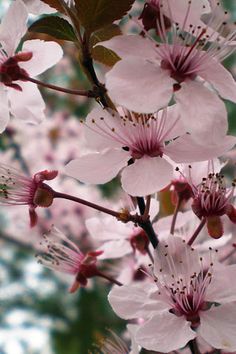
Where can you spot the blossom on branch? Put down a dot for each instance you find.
(17, 189)
(143, 146)
(185, 65)
(192, 297)
(18, 96)
(63, 255)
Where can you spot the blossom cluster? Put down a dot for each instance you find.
(159, 127)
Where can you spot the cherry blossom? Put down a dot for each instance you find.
(17, 189)
(192, 297)
(61, 254)
(116, 243)
(155, 11)
(141, 145)
(20, 97)
(212, 200)
(125, 239)
(184, 66)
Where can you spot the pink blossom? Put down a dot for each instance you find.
(117, 243)
(63, 255)
(155, 11)
(124, 239)
(17, 189)
(182, 304)
(142, 146)
(151, 73)
(22, 98)
(212, 199)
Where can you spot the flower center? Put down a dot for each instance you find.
(212, 197)
(10, 70)
(183, 61)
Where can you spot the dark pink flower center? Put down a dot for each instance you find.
(10, 70)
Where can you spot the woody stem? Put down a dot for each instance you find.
(146, 225)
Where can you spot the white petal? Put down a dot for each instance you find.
(146, 176)
(27, 105)
(164, 333)
(131, 45)
(98, 168)
(222, 288)
(202, 112)
(185, 149)
(139, 85)
(218, 327)
(45, 55)
(132, 301)
(221, 79)
(13, 26)
(4, 109)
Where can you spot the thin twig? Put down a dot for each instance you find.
(197, 231)
(85, 93)
(174, 218)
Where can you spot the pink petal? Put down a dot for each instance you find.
(139, 85)
(222, 288)
(220, 78)
(218, 327)
(4, 109)
(13, 26)
(132, 301)
(132, 45)
(202, 112)
(171, 251)
(27, 104)
(179, 11)
(94, 129)
(115, 249)
(102, 229)
(45, 55)
(173, 125)
(132, 328)
(146, 176)
(164, 333)
(37, 7)
(98, 168)
(185, 149)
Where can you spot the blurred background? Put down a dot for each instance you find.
(37, 314)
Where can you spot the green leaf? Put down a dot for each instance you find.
(100, 53)
(104, 56)
(55, 26)
(56, 4)
(104, 34)
(96, 14)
